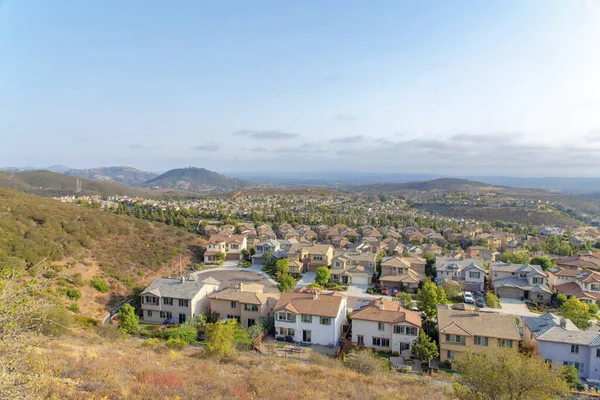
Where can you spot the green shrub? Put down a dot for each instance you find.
(593, 308)
(74, 307)
(73, 294)
(175, 344)
(99, 285)
(185, 333)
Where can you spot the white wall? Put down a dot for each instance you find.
(320, 334)
(369, 330)
(560, 352)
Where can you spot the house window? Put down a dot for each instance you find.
(149, 313)
(455, 339)
(184, 303)
(575, 348)
(595, 287)
(399, 329)
(336, 277)
(474, 275)
(597, 353)
(163, 314)
(151, 300)
(182, 318)
(360, 339)
(167, 301)
(450, 355)
(381, 342)
(505, 343)
(235, 246)
(580, 366)
(325, 321)
(251, 322)
(234, 304)
(523, 276)
(481, 341)
(404, 346)
(286, 317)
(306, 318)
(287, 332)
(380, 326)
(251, 307)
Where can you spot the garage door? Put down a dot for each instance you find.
(359, 280)
(509, 293)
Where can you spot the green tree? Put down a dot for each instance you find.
(593, 308)
(268, 258)
(497, 373)
(322, 275)
(491, 300)
(441, 296)
(519, 257)
(219, 256)
(427, 298)
(199, 322)
(128, 321)
(561, 299)
(424, 348)
(544, 262)
(282, 266)
(404, 298)
(222, 337)
(571, 375)
(577, 311)
(286, 283)
(430, 264)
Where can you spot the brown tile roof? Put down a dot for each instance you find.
(300, 302)
(226, 239)
(573, 289)
(476, 323)
(565, 272)
(249, 295)
(387, 311)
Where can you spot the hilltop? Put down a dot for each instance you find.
(125, 175)
(442, 184)
(196, 180)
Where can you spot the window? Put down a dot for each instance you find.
(399, 329)
(597, 353)
(325, 321)
(182, 318)
(505, 343)
(251, 307)
(286, 317)
(580, 366)
(595, 286)
(523, 276)
(475, 274)
(235, 246)
(234, 304)
(163, 314)
(404, 346)
(575, 348)
(184, 303)
(381, 342)
(167, 301)
(481, 341)
(251, 322)
(168, 314)
(306, 318)
(336, 277)
(149, 313)
(287, 331)
(455, 339)
(380, 326)
(151, 300)
(412, 331)
(450, 355)
(360, 339)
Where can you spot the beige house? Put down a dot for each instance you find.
(245, 302)
(352, 267)
(464, 327)
(520, 281)
(311, 256)
(583, 284)
(230, 246)
(402, 272)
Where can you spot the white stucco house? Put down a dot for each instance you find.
(470, 272)
(310, 316)
(180, 298)
(384, 325)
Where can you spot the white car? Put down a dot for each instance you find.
(468, 298)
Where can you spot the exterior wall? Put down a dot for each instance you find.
(320, 334)
(369, 330)
(200, 303)
(560, 352)
(223, 308)
(510, 293)
(459, 349)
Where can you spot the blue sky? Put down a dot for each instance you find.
(453, 87)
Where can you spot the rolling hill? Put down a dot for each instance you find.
(197, 180)
(125, 175)
(442, 184)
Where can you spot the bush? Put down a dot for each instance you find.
(73, 294)
(322, 275)
(185, 333)
(110, 332)
(175, 343)
(74, 307)
(99, 285)
(560, 299)
(153, 343)
(593, 308)
(365, 362)
(58, 322)
(128, 321)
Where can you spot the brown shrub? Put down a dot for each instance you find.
(167, 379)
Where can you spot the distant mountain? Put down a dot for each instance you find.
(197, 180)
(57, 168)
(126, 175)
(442, 184)
(52, 168)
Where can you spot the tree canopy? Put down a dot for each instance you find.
(424, 348)
(577, 311)
(322, 275)
(429, 296)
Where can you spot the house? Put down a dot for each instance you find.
(402, 272)
(311, 256)
(310, 316)
(583, 284)
(384, 325)
(181, 298)
(584, 260)
(268, 245)
(265, 232)
(230, 246)
(210, 230)
(520, 281)
(561, 343)
(245, 302)
(464, 327)
(352, 268)
(470, 273)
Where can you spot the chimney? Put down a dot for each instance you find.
(316, 295)
(182, 279)
(381, 305)
(563, 322)
(240, 286)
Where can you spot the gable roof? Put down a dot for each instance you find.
(540, 325)
(387, 311)
(298, 302)
(472, 322)
(173, 287)
(249, 294)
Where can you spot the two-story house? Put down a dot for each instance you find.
(384, 325)
(267, 245)
(310, 316)
(404, 273)
(520, 281)
(464, 327)
(352, 267)
(245, 302)
(311, 256)
(181, 298)
(583, 284)
(469, 272)
(230, 246)
(560, 343)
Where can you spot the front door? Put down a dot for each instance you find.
(181, 319)
(526, 294)
(344, 279)
(306, 336)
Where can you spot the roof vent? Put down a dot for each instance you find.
(563, 322)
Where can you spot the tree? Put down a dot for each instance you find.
(222, 337)
(430, 264)
(424, 348)
(441, 296)
(404, 298)
(593, 308)
(323, 275)
(219, 256)
(427, 298)
(199, 322)
(268, 258)
(577, 311)
(286, 283)
(128, 321)
(491, 300)
(571, 375)
(496, 373)
(282, 266)
(560, 299)
(519, 257)
(544, 262)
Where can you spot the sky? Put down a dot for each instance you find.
(503, 87)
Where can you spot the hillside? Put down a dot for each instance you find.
(197, 180)
(442, 184)
(81, 244)
(125, 175)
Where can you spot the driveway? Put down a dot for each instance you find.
(307, 279)
(361, 291)
(516, 307)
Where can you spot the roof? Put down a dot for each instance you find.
(472, 322)
(452, 264)
(227, 239)
(543, 323)
(573, 289)
(173, 287)
(530, 269)
(386, 311)
(249, 294)
(523, 284)
(561, 335)
(410, 277)
(564, 272)
(325, 305)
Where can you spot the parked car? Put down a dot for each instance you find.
(480, 302)
(395, 291)
(385, 290)
(468, 298)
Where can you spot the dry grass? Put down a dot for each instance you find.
(87, 367)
